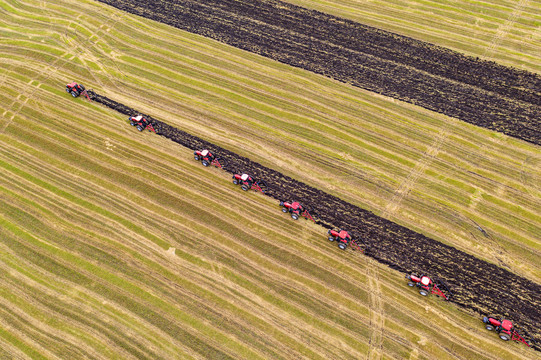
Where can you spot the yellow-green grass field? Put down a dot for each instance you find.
(116, 244)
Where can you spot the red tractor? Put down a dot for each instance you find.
(247, 182)
(76, 90)
(296, 210)
(141, 123)
(207, 158)
(428, 286)
(504, 328)
(342, 237)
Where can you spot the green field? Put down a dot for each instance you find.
(116, 244)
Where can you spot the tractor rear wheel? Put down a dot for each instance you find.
(489, 327)
(295, 216)
(504, 336)
(423, 292)
(205, 163)
(139, 127)
(74, 94)
(245, 187)
(331, 238)
(342, 246)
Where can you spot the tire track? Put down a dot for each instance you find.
(497, 290)
(502, 31)
(377, 312)
(407, 185)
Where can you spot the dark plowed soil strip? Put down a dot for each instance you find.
(476, 284)
(479, 92)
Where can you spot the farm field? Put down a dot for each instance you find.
(89, 223)
(397, 160)
(478, 92)
(505, 31)
(384, 241)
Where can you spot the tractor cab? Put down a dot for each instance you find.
(506, 325)
(425, 281)
(204, 153)
(245, 177)
(296, 206)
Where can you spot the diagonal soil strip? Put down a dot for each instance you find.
(476, 284)
(479, 92)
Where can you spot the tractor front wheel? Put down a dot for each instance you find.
(411, 284)
(235, 181)
(504, 336)
(284, 210)
(331, 238)
(196, 157)
(489, 327)
(68, 89)
(423, 292)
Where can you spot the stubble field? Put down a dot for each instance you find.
(91, 209)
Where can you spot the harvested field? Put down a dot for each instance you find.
(479, 92)
(106, 249)
(476, 284)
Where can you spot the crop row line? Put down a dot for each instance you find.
(476, 284)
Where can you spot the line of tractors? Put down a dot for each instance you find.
(294, 208)
(426, 285)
